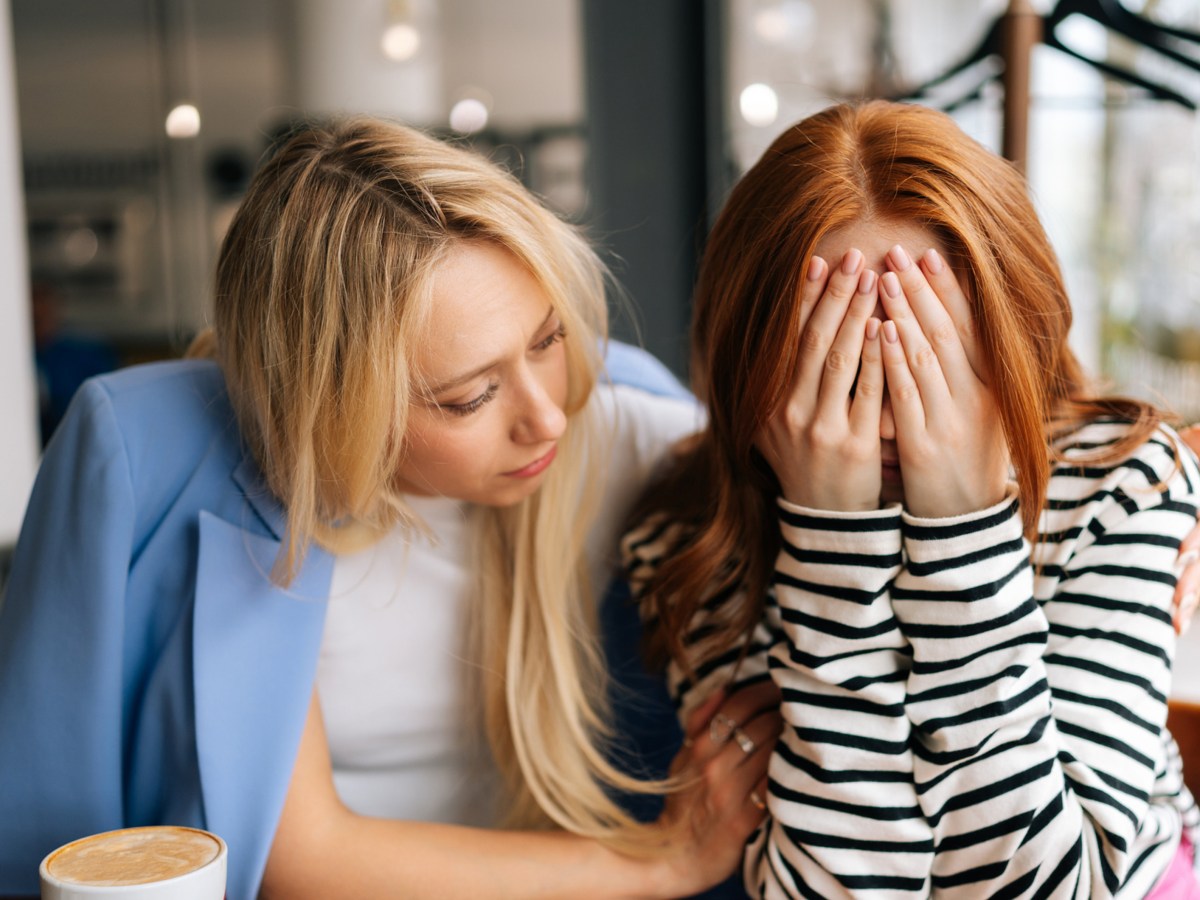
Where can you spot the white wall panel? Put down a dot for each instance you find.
(18, 389)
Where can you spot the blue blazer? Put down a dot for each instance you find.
(150, 671)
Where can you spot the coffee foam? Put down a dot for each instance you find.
(133, 856)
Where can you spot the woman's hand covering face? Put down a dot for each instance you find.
(909, 387)
(823, 443)
(952, 451)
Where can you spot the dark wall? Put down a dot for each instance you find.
(654, 90)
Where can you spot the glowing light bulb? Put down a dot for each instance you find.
(400, 42)
(468, 116)
(183, 121)
(759, 104)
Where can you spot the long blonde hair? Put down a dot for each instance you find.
(323, 287)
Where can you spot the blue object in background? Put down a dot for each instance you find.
(63, 365)
(65, 360)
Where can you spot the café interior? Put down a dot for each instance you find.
(131, 129)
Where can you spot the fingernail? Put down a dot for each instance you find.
(851, 261)
(872, 328)
(866, 282)
(1186, 559)
(889, 332)
(816, 268)
(899, 258)
(933, 262)
(891, 284)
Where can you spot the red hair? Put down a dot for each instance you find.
(876, 161)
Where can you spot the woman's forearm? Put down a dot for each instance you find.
(1039, 720)
(323, 850)
(353, 856)
(845, 818)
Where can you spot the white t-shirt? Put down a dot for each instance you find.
(392, 671)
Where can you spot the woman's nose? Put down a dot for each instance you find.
(540, 417)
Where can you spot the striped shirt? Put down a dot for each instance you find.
(963, 714)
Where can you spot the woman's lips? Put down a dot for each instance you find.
(891, 470)
(534, 468)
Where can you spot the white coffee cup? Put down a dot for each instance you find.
(155, 862)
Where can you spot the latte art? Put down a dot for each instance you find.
(133, 856)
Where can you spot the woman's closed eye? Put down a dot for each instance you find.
(553, 338)
(466, 407)
(474, 405)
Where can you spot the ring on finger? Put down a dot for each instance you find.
(757, 800)
(721, 728)
(744, 741)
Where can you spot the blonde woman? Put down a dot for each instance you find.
(279, 593)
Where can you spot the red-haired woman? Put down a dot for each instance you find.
(914, 513)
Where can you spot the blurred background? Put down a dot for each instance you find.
(131, 127)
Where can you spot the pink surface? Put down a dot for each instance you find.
(1179, 881)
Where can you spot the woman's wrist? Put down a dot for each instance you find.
(651, 877)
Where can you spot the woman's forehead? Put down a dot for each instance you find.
(874, 238)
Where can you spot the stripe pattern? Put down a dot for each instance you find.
(967, 715)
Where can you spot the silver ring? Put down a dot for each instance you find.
(744, 741)
(758, 801)
(721, 728)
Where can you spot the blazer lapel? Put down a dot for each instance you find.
(255, 648)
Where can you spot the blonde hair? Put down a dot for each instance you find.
(323, 287)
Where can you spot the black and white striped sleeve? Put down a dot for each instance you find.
(844, 818)
(992, 719)
(984, 742)
(967, 715)
(1038, 711)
